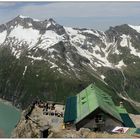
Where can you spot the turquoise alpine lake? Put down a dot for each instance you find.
(9, 117)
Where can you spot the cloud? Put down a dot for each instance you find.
(82, 9)
(78, 14)
(7, 4)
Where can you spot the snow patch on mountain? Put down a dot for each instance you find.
(97, 48)
(16, 52)
(103, 77)
(48, 24)
(137, 28)
(25, 69)
(3, 36)
(37, 20)
(51, 50)
(60, 70)
(93, 56)
(30, 24)
(36, 58)
(91, 32)
(29, 35)
(124, 41)
(71, 31)
(23, 17)
(134, 51)
(69, 62)
(117, 52)
(49, 38)
(76, 38)
(120, 64)
(53, 65)
(84, 53)
(97, 64)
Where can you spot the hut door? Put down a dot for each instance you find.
(99, 120)
(44, 134)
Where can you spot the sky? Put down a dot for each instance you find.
(96, 15)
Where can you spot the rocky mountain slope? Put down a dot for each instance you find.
(42, 59)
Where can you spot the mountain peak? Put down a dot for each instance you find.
(21, 16)
(52, 21)
(26, 17)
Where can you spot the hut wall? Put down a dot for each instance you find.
(90, 122)
(111, 123)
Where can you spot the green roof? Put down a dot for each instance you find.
(70, 109)
(137, 131)
(121, 110)
(92, 98)
(133, 131)
(125, 117)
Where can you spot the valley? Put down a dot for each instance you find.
(45, 60)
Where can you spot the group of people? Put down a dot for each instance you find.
(50, 109)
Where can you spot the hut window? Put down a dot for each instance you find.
(83, 102)
(99, 118)
(82, 98)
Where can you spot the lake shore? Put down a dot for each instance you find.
(8, 103)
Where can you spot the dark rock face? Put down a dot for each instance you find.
(49, 61)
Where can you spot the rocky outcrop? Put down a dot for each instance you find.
(37, 121)
(34, 121)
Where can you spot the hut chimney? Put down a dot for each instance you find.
(121, 104)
